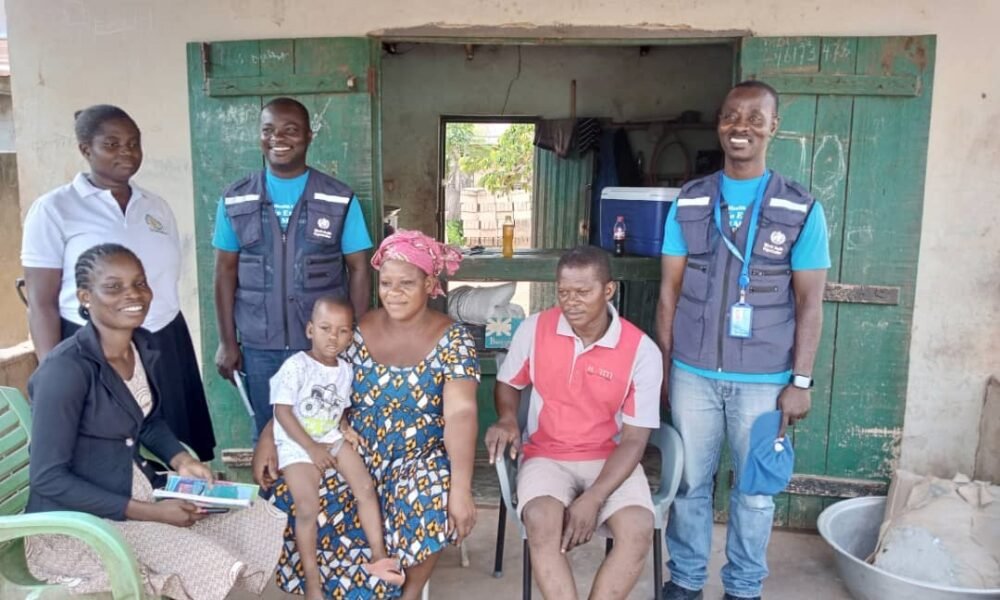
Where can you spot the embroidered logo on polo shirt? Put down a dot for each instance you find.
(154, 225)
(602, 373)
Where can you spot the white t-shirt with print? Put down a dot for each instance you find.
(318, 393)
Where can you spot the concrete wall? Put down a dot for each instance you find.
(68, 53)
(6, 123)
(424, 82)
(13, 322)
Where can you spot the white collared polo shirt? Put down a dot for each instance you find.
(64, 223)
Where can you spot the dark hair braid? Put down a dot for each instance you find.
(89, 120)
(87, 263)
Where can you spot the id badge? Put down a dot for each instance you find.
(740, 320)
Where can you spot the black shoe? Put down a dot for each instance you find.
(672, 591)
(731, 597)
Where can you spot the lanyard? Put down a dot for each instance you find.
(758, 200)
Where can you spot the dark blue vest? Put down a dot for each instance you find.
(281, 274)
(711, 280)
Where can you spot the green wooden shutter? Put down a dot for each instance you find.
(228, 82)
(854, 120)
(561, 200)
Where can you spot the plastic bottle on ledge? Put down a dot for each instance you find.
(508, 237)
(619, 236)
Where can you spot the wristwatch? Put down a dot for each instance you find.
(803, 382)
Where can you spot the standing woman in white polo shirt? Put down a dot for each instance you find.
(105, 206)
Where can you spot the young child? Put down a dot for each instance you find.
(310, 393)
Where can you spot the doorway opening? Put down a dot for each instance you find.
(488, 167)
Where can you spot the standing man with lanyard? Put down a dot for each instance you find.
(284, 237)
(745, 255)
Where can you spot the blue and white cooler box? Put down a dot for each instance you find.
(645, 211)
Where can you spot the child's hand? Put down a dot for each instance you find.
(320, 456)
(351, 437)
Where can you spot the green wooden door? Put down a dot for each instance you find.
(854, 120)
(336, 79)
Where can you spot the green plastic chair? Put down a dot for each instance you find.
(15, 579)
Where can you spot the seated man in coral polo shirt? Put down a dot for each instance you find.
(595, 397)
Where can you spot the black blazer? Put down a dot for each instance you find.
(87, 429)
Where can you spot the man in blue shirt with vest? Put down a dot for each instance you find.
(745, 256)
(284, 237)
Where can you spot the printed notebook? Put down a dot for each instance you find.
(227, 494)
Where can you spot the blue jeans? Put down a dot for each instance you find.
(259, 366)
(704, 411)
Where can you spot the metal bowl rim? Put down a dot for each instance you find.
(833, 510)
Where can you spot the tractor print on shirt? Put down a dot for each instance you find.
(320, 412)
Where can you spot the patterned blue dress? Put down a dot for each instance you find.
(399, 414)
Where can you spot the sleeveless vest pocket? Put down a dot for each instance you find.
(252, 272)
(696, 225)
(324, 223)
(246, 221)
(322, 271)
(696, 281)
(250, 313)
(777, 233)
(769, 349)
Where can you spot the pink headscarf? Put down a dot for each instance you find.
(424, 252)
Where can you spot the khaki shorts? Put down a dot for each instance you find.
(564, 480)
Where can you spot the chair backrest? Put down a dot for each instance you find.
(15, 432)
(671, 448)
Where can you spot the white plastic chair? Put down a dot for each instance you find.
(665, 439)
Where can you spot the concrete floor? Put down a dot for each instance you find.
(801, 567)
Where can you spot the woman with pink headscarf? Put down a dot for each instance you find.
(414, 406)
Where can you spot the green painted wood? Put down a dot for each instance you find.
(829, 185)
(639, 299)
(225, 146)
(727, 38)
(881, 243)
(276, 57)
(561, 205)
(844, 85)
(863, 155)
(283, 85)
(540, 265)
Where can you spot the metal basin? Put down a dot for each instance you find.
(851, 529)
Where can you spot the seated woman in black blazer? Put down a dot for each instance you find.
(93, 407)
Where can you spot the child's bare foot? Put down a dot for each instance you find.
(386, 569)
